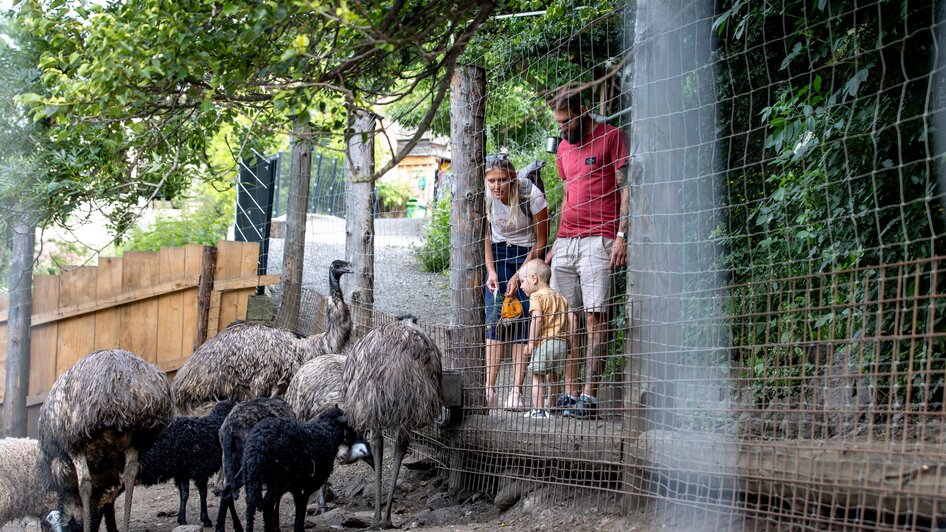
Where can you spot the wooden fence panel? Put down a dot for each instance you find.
(145, 302)
(76, 334)
(171, 267)
(43, 338)
(229, 262)
(139, 319)
(109, 287)
(193, 255)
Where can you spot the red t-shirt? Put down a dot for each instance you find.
(593, 201)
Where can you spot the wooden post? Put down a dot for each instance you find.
(359, 218)
(296, 214)
(468, 145)
(208, 264)
(18, 331)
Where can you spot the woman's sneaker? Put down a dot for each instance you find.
(537, 414)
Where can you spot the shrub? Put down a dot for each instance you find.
(393, 196)
(434, 252)
(202, 221)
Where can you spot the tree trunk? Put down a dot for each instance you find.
(359, 218)
(296, 214)
(467, 276)
(18, 327)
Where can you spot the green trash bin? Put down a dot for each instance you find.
(415, 208)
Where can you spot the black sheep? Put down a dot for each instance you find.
(233, 434)
(295, 457)
(189, 449)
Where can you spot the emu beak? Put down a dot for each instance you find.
(53, 521)
(347, 268)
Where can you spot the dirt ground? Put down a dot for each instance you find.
(421, 503)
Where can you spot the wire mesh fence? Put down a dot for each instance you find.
(772, 355)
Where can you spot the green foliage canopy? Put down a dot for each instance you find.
(134, 91)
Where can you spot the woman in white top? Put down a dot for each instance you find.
(517, 215)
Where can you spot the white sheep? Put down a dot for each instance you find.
(21, 493)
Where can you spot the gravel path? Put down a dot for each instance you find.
(400, 286)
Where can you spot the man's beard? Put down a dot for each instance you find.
(575, 136)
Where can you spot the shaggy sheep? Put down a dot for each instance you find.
(21, 493)
(249, 360)
(99, 415)
(233, 434)
(315, 389)
(292, 456)
(189, 449)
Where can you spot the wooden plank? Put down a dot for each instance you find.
(170, 326)
(139, 319)
(108, 288)
(229, 265)
(806, 474)
(43, 338)
(5, 301)
(249, 268)
(245, 282)
(77, 334)
(129, 297)
(193, 255)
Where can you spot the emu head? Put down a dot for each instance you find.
(335, 272)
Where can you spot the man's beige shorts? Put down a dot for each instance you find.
(581, 271)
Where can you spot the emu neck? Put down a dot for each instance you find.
(334, 287)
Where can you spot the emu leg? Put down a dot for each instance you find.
(81, 464)
(301, 499)
(403, 440)
(128, 479)
(377, 447)
(183, 490)
(202, 491)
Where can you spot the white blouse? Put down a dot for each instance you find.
(502, 229)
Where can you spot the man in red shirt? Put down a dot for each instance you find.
(592, 160)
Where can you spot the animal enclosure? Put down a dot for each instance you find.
(775, 355)
(159, 305)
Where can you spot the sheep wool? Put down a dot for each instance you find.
(291, 456)
(21, 492)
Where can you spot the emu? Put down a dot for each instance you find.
(249, 360)
(392, 381)
(99, 416)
